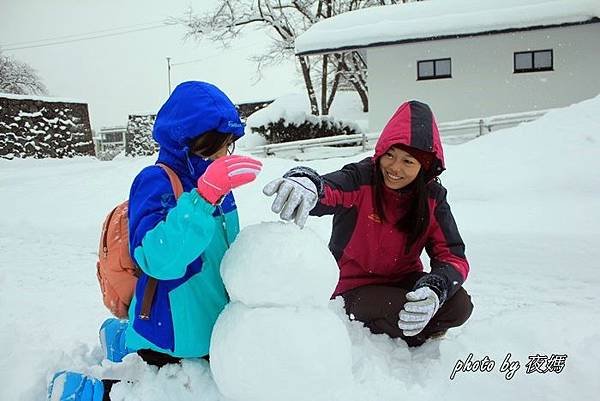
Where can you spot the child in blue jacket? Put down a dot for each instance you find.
(179, 242)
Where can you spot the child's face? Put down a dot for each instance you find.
(399, 168)
(219, 153)
(226, 149)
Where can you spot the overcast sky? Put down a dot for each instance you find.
(119, 75)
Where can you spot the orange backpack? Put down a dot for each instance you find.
(117, 272)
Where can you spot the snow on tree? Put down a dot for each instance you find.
(287, 19)
(19, 78)
(138, 138)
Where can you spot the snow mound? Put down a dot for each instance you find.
(552, 154)
(282, 353)
(278, 264)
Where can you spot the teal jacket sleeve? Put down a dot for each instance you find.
(165, 241)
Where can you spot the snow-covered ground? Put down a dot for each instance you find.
(527, 204)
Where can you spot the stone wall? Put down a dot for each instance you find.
(43, 127)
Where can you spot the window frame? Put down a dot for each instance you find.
(533, 67)
(435, 75)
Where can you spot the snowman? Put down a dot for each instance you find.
(277, 339)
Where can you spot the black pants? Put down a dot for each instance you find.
(151, 358)
(379, 306)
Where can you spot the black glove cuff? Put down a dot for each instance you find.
(437, 285)
(302, 171)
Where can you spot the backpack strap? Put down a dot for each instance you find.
(174, 178)
(152, 283)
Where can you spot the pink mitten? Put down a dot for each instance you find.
(226, 173)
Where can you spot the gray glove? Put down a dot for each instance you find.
(296, 197)
(420, 307)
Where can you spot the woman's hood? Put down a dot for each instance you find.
(413, 124)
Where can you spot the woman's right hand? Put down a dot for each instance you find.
(226, 173)
(296, 197)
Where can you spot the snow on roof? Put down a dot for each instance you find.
(437, 19)
(41, 98)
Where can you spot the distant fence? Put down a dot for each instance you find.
(451, 132)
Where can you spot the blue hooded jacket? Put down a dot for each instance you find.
(181, 241)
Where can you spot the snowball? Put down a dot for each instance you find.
(280, 353)
(279, 264)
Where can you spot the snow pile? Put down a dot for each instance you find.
(543, 171)
(278, 320)
(550, 154)
(293, 109)
(250, 139)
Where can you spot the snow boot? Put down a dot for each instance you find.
(112, 339)
(72, 386)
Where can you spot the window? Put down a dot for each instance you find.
(539, 60)
(434, 69)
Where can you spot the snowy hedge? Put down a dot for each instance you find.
(285, 131)
(43, 127)
(138, 138)
(288, 119)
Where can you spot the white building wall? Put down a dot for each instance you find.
(483, 83)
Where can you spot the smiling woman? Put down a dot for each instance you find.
(387, 209)
(400, 165)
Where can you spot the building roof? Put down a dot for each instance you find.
(440, 19)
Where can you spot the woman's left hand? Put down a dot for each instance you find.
(420, 307)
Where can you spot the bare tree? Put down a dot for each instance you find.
(287, 19)
(19, 78)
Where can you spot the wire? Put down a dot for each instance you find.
(192, 61)
(28, 42)
(85, 38)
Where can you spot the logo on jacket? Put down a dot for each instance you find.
(375, 218)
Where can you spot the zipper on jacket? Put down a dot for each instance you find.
(224, 225)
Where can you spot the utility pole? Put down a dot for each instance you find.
(169, 73)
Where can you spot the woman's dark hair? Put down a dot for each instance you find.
(416, 219)
(210, 142)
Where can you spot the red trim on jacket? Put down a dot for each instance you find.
(371, 251)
